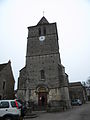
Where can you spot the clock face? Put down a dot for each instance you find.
(42, 38)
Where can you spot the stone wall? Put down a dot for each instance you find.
(21, 94)
(54, 94)
(48, 63)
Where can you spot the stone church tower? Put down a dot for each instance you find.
(47, 80)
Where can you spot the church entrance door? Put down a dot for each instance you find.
(42, 100)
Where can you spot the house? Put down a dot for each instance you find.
(6, 81)
(88, 92)
(77, 91)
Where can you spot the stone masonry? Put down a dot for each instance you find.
(48, 82)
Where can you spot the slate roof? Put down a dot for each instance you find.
(2, 66)
(75, 84)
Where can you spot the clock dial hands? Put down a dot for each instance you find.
(42, 38)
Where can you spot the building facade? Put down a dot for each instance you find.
(6, 81)
(77, 91)
(88, 92)
(43, 74)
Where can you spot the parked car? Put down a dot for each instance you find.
(10, 110)
(76, 102)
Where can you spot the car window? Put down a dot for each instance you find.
(13, 104)
(4, 104)
(19, 104)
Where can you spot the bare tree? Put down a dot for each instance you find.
(84, 83)
(88, 81)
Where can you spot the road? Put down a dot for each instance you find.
(76, 113)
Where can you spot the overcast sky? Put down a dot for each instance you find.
(73, 24)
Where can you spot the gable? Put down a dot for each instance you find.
(43, 21)
(6, 71)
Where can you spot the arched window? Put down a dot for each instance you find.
(39, 31)
(3, 85)
(44, 31)
(42, 74)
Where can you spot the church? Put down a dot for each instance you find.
(43, 75)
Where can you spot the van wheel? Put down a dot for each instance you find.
(7, 118)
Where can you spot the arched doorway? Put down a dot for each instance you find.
(42, 97)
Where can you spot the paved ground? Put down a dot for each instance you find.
(76, 113)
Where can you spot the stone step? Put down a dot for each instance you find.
(32, 115)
